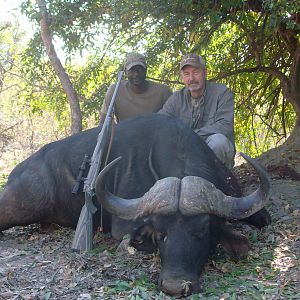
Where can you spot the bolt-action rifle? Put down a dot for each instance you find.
(83, 238)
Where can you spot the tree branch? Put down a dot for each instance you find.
(269, 70)
(76, 124)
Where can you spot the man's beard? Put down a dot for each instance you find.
(195, 86)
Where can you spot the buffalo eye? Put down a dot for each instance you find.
(138, 241)
(161, 236)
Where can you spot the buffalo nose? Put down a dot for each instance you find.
(176, 287)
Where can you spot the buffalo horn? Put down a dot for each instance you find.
(200, 196)
(162, 198)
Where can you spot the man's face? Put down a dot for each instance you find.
(136, 75)
(193, 78)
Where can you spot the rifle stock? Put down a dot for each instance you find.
(83, 238)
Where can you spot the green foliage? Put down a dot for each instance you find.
(3, 179)
(11, 37)
(240, 41)
(137, 289)
(42, 91)
(45, 92)
(281, 9)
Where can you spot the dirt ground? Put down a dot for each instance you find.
(41, 265)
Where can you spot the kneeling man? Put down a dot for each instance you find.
(207, 107)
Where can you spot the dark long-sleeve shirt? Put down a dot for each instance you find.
(216, 111)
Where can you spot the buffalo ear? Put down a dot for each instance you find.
(234, 243)
(259, 219)
(141, 238)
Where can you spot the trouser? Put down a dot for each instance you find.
(223, 148)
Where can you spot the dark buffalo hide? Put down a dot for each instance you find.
(153, 148)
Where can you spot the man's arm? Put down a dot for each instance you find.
(223, 121)
(167, 93)
(169, 108)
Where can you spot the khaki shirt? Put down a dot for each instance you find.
(129, 104)
(216, 112)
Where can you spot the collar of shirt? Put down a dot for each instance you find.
(197, 101)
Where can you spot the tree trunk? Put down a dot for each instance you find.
(76, 119)
(295, 83)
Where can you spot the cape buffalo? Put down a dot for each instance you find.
(169, 191)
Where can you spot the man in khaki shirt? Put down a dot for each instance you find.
(136, 96)
(207, 107)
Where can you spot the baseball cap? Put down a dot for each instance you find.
(192, 60)
(135, 59)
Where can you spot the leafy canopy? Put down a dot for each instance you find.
(240, 40)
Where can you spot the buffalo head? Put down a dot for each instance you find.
(176, 215)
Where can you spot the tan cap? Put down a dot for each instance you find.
(192, 60)
(135, 59)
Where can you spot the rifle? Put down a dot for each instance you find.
(83, 238)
